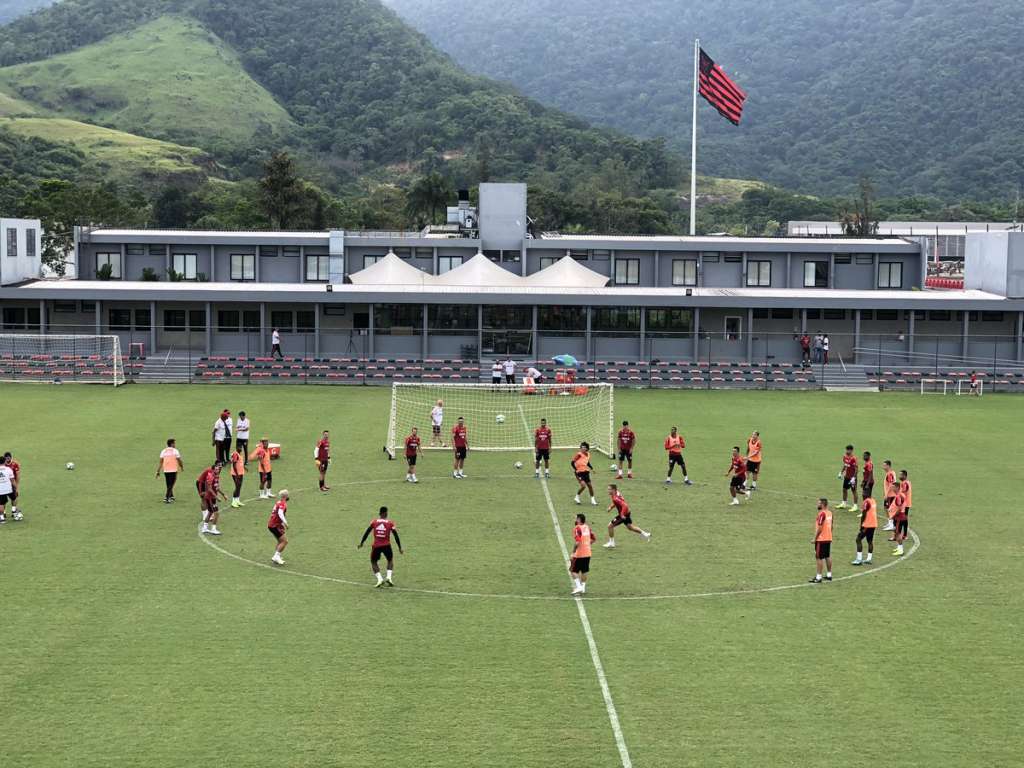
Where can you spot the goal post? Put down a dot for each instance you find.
(934, 386)
(502, 417)
(963, 387)
(60, 358)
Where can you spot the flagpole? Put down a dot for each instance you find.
(693, 144)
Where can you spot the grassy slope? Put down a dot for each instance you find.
(168, 79)
(12, 106)
(116, 154)
(130, 637)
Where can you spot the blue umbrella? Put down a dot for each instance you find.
(566, 360)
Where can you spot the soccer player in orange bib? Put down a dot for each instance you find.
(753, 459)
(579, 564)
(237, 476)
(868, 524)
(170, 464)
(674, 444)
(889, 491)
(262, 458)
(822, 543)
(581, 467)
(902, 503)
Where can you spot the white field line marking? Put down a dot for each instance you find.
(500, 596)
(595, 657)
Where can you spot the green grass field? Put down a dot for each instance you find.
(131, 642)
(168, 79)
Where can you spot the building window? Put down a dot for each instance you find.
(939, 315)
(627, 271)
(493, 255)
(760, 314)
(843, 258)
(710, 257)
(250, 321)
(290, 250)
(334, 310)
(197, 319)
(227, 320)
(398, 319)
(669, 321)
(403, 253)
(886, 314)
(269, 250)
(185, 265)
(734, 259)
(515, 318)
(369, 261)
(120, 319)
(114, 260)
(616, 320)
(157, 250)
(135, 250)
(866, 314)
(782, 314)
(65, 307)
(243, 266)
(174, 320)
(813, 314)
(579, 255)
(684, 272)
(305, 320)
(864, 259)
(561, 318)
(759, 274)
(20, 318)
(425, 253)
(510, 256)
(547, 261)
(448, 263)
(991, 317)
(318, 269)
(452, 319)
(88, 307)
(890, 274)
(12, 242)
(143, 319)
(282, 320)
(30, 243)
(815, 274)
(835, 314)
(600, 255)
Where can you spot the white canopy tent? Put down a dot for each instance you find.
(566, 273)
(391, 270)
(480, 271)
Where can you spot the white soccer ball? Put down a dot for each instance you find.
(500, 418)
(519, 465)
(613, 468)
(70, 465)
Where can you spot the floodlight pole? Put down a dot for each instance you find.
(693, 143)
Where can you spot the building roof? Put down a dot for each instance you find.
(308, 293)
(479, 271)
(904, 228)
(391, 270)
(566, 271)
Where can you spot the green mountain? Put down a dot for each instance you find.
(922, 96)
(345, 84)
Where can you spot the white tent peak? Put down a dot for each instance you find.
(479, 271)
(391, 270)
(566, 273)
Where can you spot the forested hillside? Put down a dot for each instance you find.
(922, 96)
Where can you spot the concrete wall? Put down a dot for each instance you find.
(551, 344)
(722, 274)
(19, 266)
(994, 262)
(279, 269)
(502, 216)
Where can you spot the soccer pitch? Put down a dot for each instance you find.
(130, 640)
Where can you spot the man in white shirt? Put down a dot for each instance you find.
(436, 419)
(510, 371)
(242, 436)
(275, 345)
(496, 373)
(8, 492)
(537, 376)
(222, 436)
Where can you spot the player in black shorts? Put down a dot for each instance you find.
(582, 468)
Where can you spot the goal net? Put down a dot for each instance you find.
(503, 417)
(61, 358)
(963, 387)
(934, 386)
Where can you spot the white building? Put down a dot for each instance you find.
(20, 250)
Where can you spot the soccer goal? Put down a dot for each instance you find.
(61, 358)
(934, 386)
(963, 387)
(503, 417)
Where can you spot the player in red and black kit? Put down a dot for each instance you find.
(412, 450)
(738, 470)
(867, 480)
(627, 440)
(848, 474)
(460, 446)
(382, 529)
(623, 516)
(277, 524)
(542, 448)
(322, 455)
(208, 486)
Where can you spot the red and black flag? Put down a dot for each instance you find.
(719, 89)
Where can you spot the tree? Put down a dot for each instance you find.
(176, 208)
(862, 221)
(429, 194)
(281, 190)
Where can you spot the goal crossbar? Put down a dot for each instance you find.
(934, 386)
(502, 417)
(963, 387)
(61, 358)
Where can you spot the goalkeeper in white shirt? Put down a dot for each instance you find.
(436, 420)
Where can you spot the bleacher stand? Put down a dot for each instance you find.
(64, 367)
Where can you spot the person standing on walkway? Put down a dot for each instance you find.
(275, 344)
